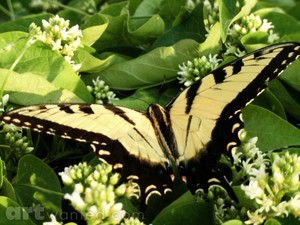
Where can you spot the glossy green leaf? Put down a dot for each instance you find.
(159, 65)
(156, 67)
(8, 190)
(12, 213)
(272, 222)
(233, 222)
(152, 28)
(272, 131)
(285, 25)
(40, 60)
(142, 98)
(23, 23)
(294, 11)
(186, 210)
(114, 31)
(190, 28)
(29, 88)
(145, 8)
(91, 34)
(269, 101)
(290, 76)
(92, 64)
(38, 187)
(255, 40)
(288, 98)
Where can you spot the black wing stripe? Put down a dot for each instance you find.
(119, 112)
(285, 56)
(190, 96)
(51, 127)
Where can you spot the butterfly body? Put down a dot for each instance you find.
(190, 133)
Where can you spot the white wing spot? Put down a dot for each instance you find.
(103, 152)
(39, 126)
(118, 166)
(15, 120)
(27, 123)
(133, 177)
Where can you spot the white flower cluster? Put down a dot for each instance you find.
(210, 13)
(192, 71)
(240, 28)
(59, 36)
(19, 144)
(95, 192)
(101, 92)
(248, 24)
(132, 221)
(273, 183)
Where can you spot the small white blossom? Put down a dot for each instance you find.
(293, 205)
(255, 218)
(101, 91)
(76, 198)
(280, 209)
(253, 190)
(194, 70)
(4, 102)
(59, 36)
(265, 204)
(53, 221)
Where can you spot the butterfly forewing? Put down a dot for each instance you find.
(205, 117)
(120, 136)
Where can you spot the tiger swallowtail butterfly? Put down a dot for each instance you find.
(191, 132)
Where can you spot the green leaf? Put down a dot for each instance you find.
(272, 131)
(174, 12)
(190, 28)
(142, 98)
(186, 210)
(40, 60)
(295, 11)
(272, 222)
(153, 68)
(113, 37)
(255, 40)
(150, 29)
(287, 28)
(288, 98)
(92, 34)
(290, 76)
(38, 187)
(12, 213)
(269, 101)
(23, 23)
(115, 9)
(8, 190)
(92, 64)
(28, 89)
(159, 65)
(233, 222)
(145, 8)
